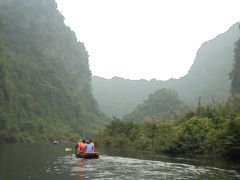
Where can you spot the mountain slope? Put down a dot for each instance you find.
(208, 77)
(44, 76)
(163, 104)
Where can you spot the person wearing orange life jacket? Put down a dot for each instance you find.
(82, 146)
(78, 145)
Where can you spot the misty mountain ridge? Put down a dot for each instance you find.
(208, 77)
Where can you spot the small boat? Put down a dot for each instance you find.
(56, 142)
(87, 155)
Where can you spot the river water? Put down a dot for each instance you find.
(51, 162)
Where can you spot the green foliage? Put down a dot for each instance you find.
(209, 130)
(163, 104)
(235, 77)
(45, 89)
(192, 134)
(235, 74)
(152, 135)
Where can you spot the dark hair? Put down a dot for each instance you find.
(83, 141)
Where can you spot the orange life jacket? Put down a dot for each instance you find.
(82, 147)
(79, 146)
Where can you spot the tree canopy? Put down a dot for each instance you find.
(45, 79)
(163, 104)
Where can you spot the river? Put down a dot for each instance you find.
(51, 162)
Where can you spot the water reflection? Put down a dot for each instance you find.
(84, 168)
(110, 167)
(38, 162)
(80, 169)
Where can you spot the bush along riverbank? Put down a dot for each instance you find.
(213, 130)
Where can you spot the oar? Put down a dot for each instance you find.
(68, 149)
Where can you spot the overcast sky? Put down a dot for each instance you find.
(146, 39)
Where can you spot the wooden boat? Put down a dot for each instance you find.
(87, 155)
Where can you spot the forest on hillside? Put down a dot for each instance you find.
(45, 88)
(164, 104)
(212, 129)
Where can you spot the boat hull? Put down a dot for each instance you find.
(88, 155)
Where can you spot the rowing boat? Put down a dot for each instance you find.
(87, 155)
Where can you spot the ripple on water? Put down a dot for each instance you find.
(109, 167)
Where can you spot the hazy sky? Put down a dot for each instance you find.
(146, 39)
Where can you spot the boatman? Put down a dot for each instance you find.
(92, 143)
(78, 144)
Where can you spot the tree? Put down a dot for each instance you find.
(235, 74)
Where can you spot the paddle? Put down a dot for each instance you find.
(68, 149)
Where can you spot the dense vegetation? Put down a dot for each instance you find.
(163, 104)
(208, 130)
(208, 77)
(45, 90)
(211, 129)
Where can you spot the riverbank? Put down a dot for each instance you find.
(214, 133)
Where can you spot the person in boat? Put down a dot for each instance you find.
(89, 147)
(80, 147)
(78, 144)
(91, 141)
